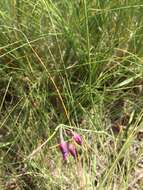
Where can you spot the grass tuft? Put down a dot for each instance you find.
(75, 65)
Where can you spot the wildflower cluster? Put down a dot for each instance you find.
(67, 148)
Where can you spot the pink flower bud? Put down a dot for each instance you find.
(64, 149)
(77, 138)
(72, 150)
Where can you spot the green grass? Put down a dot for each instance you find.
(76, 64)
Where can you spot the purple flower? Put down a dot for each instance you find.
(77, 138)
(64, 149)
(72, 150)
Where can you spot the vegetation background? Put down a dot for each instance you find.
(76, 64)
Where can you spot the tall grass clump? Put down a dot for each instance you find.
(71, 73)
